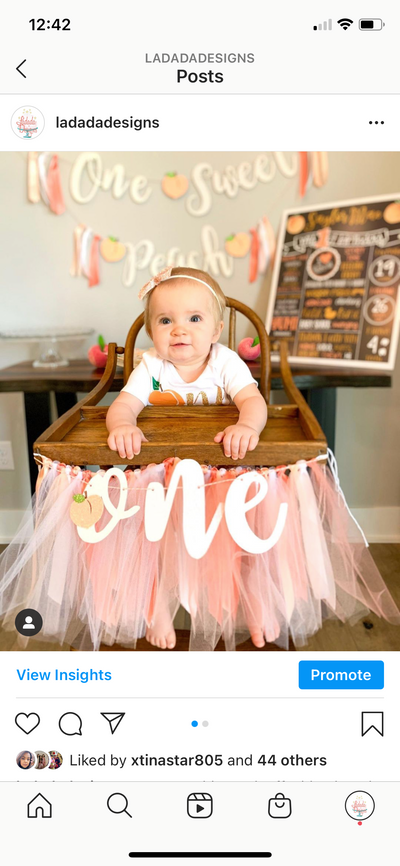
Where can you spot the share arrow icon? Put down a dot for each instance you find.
(113, 720)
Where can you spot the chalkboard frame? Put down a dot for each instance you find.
(384, 366)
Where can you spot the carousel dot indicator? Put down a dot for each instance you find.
(194, 724)
(205, 724)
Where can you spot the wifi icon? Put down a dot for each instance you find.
(345, 23)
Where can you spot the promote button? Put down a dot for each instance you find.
(341, 675)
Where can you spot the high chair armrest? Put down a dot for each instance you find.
(265, 355)
(69, 419)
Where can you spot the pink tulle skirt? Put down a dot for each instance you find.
(109, 592)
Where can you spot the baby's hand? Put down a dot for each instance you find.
(237, 439)
(127, 440)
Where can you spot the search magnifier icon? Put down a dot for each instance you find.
(118, 803)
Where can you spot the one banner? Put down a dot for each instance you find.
(268, 552)
(335, 287)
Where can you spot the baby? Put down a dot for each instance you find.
(184, 311)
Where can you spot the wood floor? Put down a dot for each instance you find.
(369, 634)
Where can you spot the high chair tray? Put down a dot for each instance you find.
(292, 433)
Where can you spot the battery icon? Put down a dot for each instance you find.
(371, 23)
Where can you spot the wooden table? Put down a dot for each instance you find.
(317, 384)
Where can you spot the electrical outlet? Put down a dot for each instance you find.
(6, 456)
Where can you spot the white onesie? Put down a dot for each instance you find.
(156, 382)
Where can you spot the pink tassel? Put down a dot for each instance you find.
(267, 248)
(303, 172)
(43, 164)
(271, 239)
(263, 250)
(75, 269)
(255, 244)
(54, 188)
(319, 162)
(33, 178)
(86, 246)
(94, 277)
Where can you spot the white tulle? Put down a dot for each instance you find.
(109, 592)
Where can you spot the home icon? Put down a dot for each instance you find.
(39, 807)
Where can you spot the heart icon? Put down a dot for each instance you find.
(27, 723)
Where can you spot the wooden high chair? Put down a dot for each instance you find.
(79, 437)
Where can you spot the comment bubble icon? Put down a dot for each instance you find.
(70, 724)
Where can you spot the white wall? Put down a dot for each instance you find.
(36, 288)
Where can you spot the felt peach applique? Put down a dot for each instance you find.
(295, 224)
(112, 250)
(85, 510)
(238, 245)
(392, 213)
(174, 185)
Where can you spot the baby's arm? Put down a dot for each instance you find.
(243, 436)
(125, 437)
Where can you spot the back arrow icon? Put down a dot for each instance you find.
(18, 68)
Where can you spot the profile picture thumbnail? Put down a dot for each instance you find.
(55, 760)
(26, 760)
(42, 760)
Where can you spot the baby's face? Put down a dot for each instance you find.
(182, 322)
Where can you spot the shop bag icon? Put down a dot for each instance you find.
(279, 806)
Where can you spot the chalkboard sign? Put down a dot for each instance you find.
(335, 288)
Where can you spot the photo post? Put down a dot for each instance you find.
(199, 427)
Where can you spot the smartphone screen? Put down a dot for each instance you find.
(199, 415)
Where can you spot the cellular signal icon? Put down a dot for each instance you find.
(326, 25)
(345, 23)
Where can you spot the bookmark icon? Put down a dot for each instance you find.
(371, 720)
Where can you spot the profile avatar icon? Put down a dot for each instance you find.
(26, 760)
(28, 622)
(56, 760)
(359, 805)
(42, 760)
(27, 122)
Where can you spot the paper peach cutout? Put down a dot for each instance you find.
(174, 185)
(391, 214)
(86, 511)
(112, 250)
(238, 245)
(295, 224)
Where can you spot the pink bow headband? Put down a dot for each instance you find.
(167, 275)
